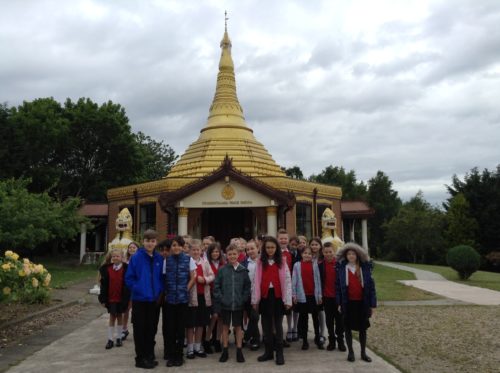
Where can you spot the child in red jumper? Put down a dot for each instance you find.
(114, 294)
(327, 269)
(272, 295)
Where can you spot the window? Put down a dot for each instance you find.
(304, 219)
(147, 217)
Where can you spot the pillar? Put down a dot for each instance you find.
(353, 222)
(364, 234)
(272, 220)
(83, 240)
(97, 240)
(182, 221)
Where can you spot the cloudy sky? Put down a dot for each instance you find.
(411, 88)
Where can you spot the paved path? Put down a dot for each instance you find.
(83, 351)
(437, 284)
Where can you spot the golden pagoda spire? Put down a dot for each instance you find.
(226, 111)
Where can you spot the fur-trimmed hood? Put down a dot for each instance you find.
(362, 254)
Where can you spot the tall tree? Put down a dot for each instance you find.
(482, 192)
(351, 188)
(158, 157)
(294, 172)
(415, 233)
(386, 203)
(461, 226)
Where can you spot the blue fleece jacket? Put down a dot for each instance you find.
(144, 276)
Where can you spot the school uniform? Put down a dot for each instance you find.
(252, 333)
(114, 294)
(200, 300)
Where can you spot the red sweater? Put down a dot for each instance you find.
(200, 288)
(270, 274)
(115, 285)
(306, 269)
(330, 277)
(354, 290)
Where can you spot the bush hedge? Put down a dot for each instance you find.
(463, 259)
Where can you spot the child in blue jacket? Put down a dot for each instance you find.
(144, 279)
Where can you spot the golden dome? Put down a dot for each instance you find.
(226, 132)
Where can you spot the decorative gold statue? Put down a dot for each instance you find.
(329, 228)
(123, 231)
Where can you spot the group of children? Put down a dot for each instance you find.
(202, 291)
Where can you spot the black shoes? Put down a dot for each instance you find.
(289, 336)
(286, 344)
(145, 364)
(217, 346)
(319, 342)
(125, 334)
(350, 356)
(207, 347)
(190, 355)
(119, 342)
(224, 356)
(200, 353)
(365, 357)
(295, 336)
(110, 344)
(305, 344)
(268, 355)
(239, 356)
(280, 359)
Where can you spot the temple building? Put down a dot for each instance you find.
(226, 183)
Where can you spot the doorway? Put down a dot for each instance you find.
(226, 223)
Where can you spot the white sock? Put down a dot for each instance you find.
(111, 329)
(119, 331)
(197, 347)
(190, 347)
(295, 321)
(322, 322)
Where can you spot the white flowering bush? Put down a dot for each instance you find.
(22, 280)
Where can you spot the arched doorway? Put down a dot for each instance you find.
(226, 223)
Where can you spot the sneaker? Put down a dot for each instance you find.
(125, 334)
(190, 355)
(110, 344)
(119, 342)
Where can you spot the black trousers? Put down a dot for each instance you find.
(310, 307)
(272, 310)
(175, 319)
(334, 321)
(145, 324)
(164, 327)
(252, 333)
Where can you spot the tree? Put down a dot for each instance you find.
(294, 172)
(29, 219)
(351, 188)
(386, 203)
(482, 191)
(461, 226)
(415, 232)
(158, 157)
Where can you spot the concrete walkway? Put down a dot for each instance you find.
(83, 351)
(437, 284)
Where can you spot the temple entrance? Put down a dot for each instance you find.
(226, 223)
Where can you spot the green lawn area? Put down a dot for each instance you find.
(66, 271)
(389, 289)
(482, 279)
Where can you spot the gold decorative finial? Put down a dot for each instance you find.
(225, 20)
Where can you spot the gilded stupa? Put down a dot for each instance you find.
(225, 167)
(226, 132)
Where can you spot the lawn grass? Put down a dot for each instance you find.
(482, 279)
(389, 289)
(67, 271)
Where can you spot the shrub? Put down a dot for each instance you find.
(463, 259)
(22, 280)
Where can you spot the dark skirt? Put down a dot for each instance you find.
(271, 304)
(115, 308)
(198, 316)
(356, 318)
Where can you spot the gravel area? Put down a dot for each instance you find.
(423, 339)
(12, 335)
